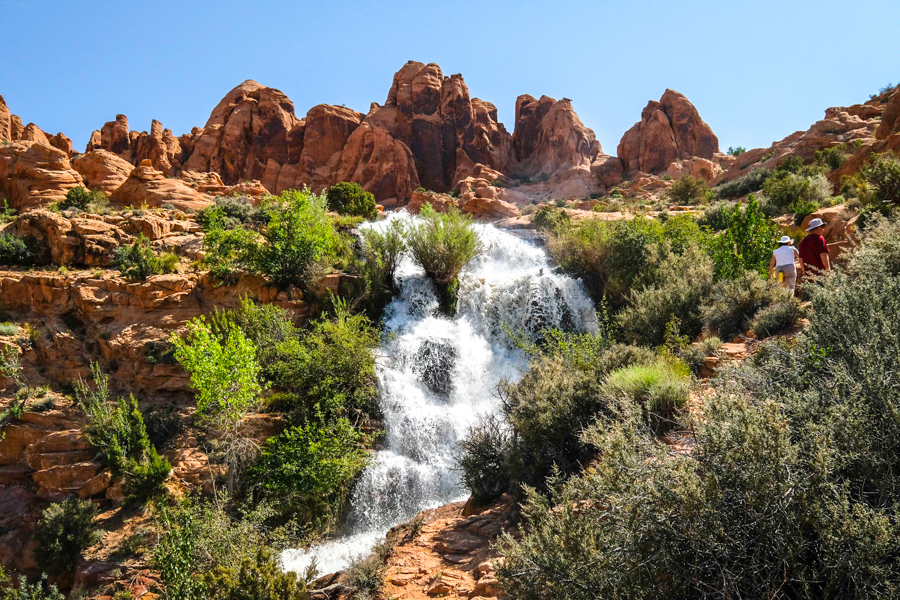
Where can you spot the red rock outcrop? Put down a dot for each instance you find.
(102, 170)
(669, 130)
(146, 185)
(160, 146)
(35, 174)
(5, 122)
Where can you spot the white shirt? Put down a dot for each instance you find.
(784, 255)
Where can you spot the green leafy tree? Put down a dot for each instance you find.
(883, 176)
(347, 198)
(223, 369)
(38, 590)
(260, 578)
(747, 244)
(689, 190)
(63, 532)
(310, 468)
(382, 250)
(15, 250)
(444, 243)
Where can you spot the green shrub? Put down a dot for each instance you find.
(381, 252)
(747, 244)
(734, 302)
(223, 370)
(229, 213)
(299, 239)
(331, 369)
(83, 199)
(715, 217)
(15, 251)
(745, 184)
(260, 578)
(163, 426)
(229, 250)
(7, 214)
(265, 325)
(139, 261)
(802, 210)
(776, 318)
(63, 532)
(786, 189)
(883, 176)
(308, 471)
(689, 190)
(736, 151)
(146, 480)
(484, 460)
(833, 158)
(39, 590)
(347, 198)
(442, 244)
(550, 218)
(659, 389)
(674, 286)
(9, 329)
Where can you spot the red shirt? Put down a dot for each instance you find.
(811, 247)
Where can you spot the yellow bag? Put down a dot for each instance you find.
(780, 276)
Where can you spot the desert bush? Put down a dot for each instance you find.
(550, 218)
(9, 329)
(223, 370)
(229, 212)
(746, 244)
(146, 480)
(38, 590)
(308, 470)
(83, 199)
(802, 210)
(331, 369)
(483, 460)
(347, 198)
(883, 176)
(715, 217)
(789, 488)
(776, 317)
(673, 286)
(745, 184)
(229, 250)
(260, 578)
(734, 302)
(139, 261)
(7, 214)
(832, 158)
(736, 151)
(658, 390)
(63, 532)
(15, 250)
(785, 189)
(443, 244)
(689, 190)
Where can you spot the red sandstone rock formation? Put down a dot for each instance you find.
(669, 130)
(102, 170)
(160, 146)
(146, 185)
(34, 174)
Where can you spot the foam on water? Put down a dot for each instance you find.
(438, 376)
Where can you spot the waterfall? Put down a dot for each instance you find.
(439, 375)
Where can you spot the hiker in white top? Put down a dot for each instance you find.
(782, 263)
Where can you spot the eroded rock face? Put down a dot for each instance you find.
(550, 138)
(146, 185)
(35, 174)
(669, 130)
(160, 146)
(102, 170)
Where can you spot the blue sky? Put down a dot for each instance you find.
(757, 71)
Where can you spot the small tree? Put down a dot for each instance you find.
(736, 151)
(689, 190)
(444, 243)
(382, 250)
(139, 261)
(63, 532)
(747, 244)
(224, 371)
(347, 198)
(883, 176)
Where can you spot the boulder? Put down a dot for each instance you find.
(147, 186)
(102, 170)
(700, 168)
(34, 174)
(890, 119)
(439, 202)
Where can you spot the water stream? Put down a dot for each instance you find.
(438, 375)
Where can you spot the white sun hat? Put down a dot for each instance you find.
(785, 239)
(815, 223)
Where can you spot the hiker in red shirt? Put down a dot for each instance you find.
(814, 250)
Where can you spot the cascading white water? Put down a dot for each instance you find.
(439, 375)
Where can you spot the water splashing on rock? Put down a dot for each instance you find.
(439, 375)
